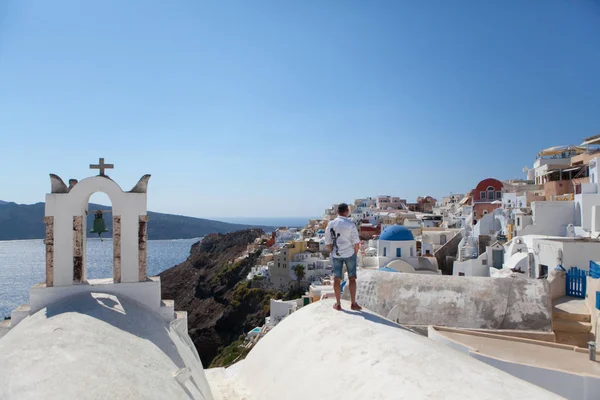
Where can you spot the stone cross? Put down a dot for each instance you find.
(101, 166)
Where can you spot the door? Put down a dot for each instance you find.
(497, 258)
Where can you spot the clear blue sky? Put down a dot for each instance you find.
(279, 108)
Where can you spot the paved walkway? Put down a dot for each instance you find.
(571, 305)
(529, 353)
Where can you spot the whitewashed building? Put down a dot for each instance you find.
(396, 249)
(81, 338)
(281, 309)
(315, 265)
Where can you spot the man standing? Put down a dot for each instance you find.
(342, 240)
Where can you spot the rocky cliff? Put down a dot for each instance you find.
(211, 286)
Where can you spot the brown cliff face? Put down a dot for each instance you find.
(220, 303)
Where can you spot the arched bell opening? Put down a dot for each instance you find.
(98, 241)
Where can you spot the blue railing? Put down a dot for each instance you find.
(576, 282)
(598, 300)
(594, 270)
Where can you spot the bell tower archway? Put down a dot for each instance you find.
(65, 218)
(66, 229)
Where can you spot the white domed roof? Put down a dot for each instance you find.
(400, 266)
(95, 346)
(396, 233)
(360, 355)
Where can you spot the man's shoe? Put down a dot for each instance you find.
(337, 307)
(355, 307)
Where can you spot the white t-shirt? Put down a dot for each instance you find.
(346, 237)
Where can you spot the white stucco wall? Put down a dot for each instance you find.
(595, 223)
(391, 246)
(281, 309)
(435, 237)
(517, 261)
(427, 247)
(583, 205)
(64, 206)
(579, 253)
(516, 245)
(522, 221)
(546, 252)
(509, 200)
(575, 253)
(489, 224)
(550, 218)
(472, 267)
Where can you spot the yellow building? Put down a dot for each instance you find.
(280, 271)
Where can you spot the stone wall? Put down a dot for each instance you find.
(49, 242)
(142, 248)
(449, 249)
(462, 302)
(78, 250)
(116, 248)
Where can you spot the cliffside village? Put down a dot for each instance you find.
(528, 226)
(491, 294)
(544, 227)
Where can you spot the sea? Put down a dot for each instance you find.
(23, 264)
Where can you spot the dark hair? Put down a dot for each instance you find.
(342, 208)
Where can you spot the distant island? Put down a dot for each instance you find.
(26, 221)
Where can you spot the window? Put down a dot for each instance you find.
(384, 252)
(474, 214)
(518, 221)
(278, 265)
(498, 194)
(461, 274)
(443, 239)
(485, 212)
(482, 195)
(411, 251)
(490, 192)
(398, 252)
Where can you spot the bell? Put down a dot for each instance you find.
(99, 226)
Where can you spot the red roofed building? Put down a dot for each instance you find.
(487, 196)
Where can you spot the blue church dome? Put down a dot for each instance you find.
(396, 233)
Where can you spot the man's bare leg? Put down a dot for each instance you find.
(337, 289)
(352, 285)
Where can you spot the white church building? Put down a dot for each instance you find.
(114, 338)
(396, 242)
(396, 249)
